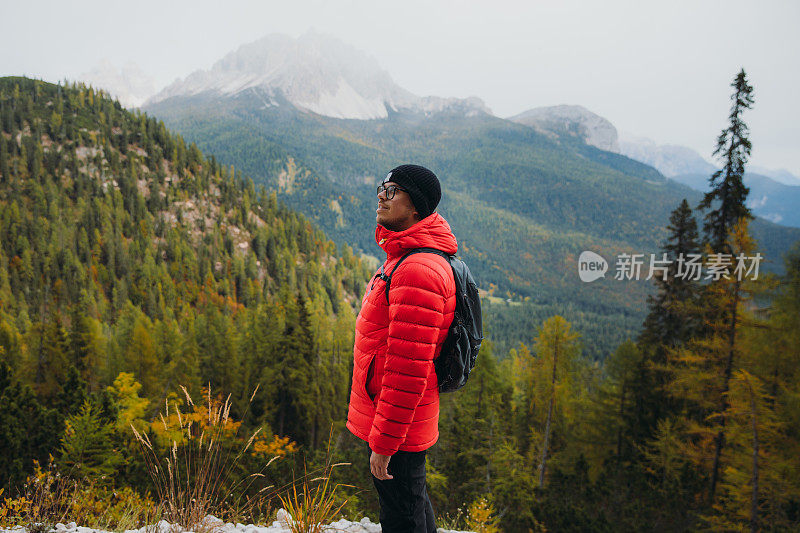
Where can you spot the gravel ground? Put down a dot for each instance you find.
(278, 526)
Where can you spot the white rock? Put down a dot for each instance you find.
(284, 518)
(365, 525)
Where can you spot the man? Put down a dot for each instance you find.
(394, 401)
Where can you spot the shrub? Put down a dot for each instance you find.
(195, 478)
(45, 500)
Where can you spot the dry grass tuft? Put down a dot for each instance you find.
(194, 480)
(316, 504)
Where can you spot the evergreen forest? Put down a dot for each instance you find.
(134, 266)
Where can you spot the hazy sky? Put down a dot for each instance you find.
(657, 69)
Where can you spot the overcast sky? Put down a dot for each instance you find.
(655, 69)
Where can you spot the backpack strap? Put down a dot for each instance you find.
(388, 279)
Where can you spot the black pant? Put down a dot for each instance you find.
(405, 506)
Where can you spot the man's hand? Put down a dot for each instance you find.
(378, 465)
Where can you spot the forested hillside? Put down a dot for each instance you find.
(125, 251)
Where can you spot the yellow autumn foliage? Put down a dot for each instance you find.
(480, 517)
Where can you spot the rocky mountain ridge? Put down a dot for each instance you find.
(573, 120)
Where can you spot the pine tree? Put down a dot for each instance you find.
(755, 469)
(669, 322)
(50, 359)
(627, 379)
(673, 319)
(514, 490)
(474, 425)
(179, 357)
(259, 338)
(141, 357)
(28, 430)
(525, 399)
(79, 341)
(87, 449)
(556, 349)
(73, 394)
(701, 370)
(771, 353)
(294, 390)
(218, 352)
(728, 192)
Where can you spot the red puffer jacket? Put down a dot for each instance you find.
(394, 402)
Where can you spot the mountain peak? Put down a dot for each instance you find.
(315, 72)
(572, 119)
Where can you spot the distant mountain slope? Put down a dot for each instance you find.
(780, 175)
(675, 160)
(668, 159)
(768, 198)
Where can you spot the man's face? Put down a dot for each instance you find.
(397, 214)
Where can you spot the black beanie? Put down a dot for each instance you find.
(422, 185)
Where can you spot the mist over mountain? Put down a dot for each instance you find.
(129, 84)
(316, 73)
(669, 159)
(780, 175)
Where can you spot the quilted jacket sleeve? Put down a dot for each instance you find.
(416, 312)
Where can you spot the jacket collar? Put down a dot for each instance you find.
(432, 231)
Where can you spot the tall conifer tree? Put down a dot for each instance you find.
(728, 192)
(673, 318)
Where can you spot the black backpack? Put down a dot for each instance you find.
(460, 347)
